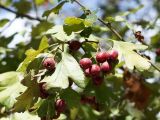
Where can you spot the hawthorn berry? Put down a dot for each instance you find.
(95, 70)
(74, 45)
(97, 80)
(87, 72)
(85, 63)
(43, 92)
(113, 54)
(49, 63)
(105, 67)
(60, 105)
(88, 99)
(158, 52)
(102, 57)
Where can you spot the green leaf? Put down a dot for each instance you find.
(47, 108)
(73, 28)
(71, 97)
(27, 99)
(155, 40)
(54, 10)
(40, 29)
(86, 32)
(74, 24)
(75, 20)
(40, 2)
(137, 114)
(132, 59)
(58, 33)
(91, 18)
(23, 6)
(21, 116)
(132, 11)
(10, 88)
(68, 67)
(3, 22)
(31, 54)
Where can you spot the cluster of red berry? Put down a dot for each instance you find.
(139, 36)
(104, 65)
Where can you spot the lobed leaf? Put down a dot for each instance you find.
(132, 59)
(67, 68)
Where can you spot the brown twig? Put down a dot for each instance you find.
(20, 14)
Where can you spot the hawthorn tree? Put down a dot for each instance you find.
(84, 69)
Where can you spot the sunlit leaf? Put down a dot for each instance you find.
(31, 54)
(10, 88)
(3, 22)
(68, 67)
(132, 59)
(54, 10)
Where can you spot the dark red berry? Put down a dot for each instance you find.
(49, 63)
(105, 67)
(137, 34)
(113, 54)
(97, 80)
(85, 63)
(60, 105)
(43, 93)
(88, 99)
(95, 70)
(87, 72)
(102, 57)
(74, 45)
(158, 52)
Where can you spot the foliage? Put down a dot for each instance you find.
(124, 91)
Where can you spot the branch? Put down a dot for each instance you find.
(158, 69)
(103, 22)
(111, 29)
(20, 14)
(35, 8)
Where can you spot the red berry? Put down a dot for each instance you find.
(88, 99)
(43, 92)
(105, 67)
(49, 63)
(74, 45)
(87, 72)
(60, 105)
(102, 57)
(95, 70)
(85, 63)
(113, 54)
(97, 80)
(158, 52)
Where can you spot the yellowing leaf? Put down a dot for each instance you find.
(27, 99)
(10, 88)
(132, 59)
(31, 54)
